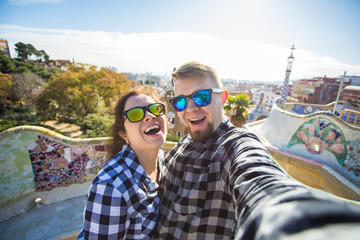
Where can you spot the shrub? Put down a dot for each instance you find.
(97, 125)
(172, 138)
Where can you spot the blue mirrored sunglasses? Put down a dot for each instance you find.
(201, 98)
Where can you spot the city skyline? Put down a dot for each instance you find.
(243, 40)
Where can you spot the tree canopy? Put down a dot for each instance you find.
(75, 93)
(24, 51)
(31, 91)
(5, 89)
(11, 65)
(236, 108)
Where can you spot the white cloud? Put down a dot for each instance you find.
(160, 52)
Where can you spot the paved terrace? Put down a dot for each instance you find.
(59, 220)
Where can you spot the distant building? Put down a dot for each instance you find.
(329, 90)
(144, 79)
(308, 90)
(351, 94)
(175, 126)
(320, 90)
(4, 47)
(62, 64)
(353, 80)
(112, 68)
(269, 97)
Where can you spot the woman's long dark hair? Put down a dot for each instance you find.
(116, 142)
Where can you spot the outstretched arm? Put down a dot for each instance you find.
(271, 205)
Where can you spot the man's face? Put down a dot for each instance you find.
(201, 122)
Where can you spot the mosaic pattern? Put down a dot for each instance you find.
(352, 161)
(55, 164)
(304, 110)
(319, 135)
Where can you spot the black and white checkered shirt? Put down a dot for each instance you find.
(204, 185)
(122, 201)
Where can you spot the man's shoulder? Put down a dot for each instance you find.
(233, 133)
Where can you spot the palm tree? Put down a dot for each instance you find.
(236, 108)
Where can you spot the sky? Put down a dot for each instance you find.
(241, 39)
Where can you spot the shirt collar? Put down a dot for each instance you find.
(137, 170)
(224, 126)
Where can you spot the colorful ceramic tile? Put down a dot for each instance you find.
(353, 157)
(55, 164)
(319, 135)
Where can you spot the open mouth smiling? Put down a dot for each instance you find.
(196, 121)
(152, 130)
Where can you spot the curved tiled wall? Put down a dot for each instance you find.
(320, 140)
(38, 159)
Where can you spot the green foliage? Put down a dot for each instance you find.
(31, 66)
(11, 65)
(7, 124)
(24, 51)
(236, 108)
(172, 138)
(21, 113)
(78, 92)
(5, 89)
(29, 91)
(6, 64)
(25, 87)
(97, 125)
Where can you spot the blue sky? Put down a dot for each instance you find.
(241, 39)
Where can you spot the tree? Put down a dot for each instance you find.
(25, 50)
(111, 84)
(236, 108)
(5, 88)
(74, 94)
(25, 86)
(43, 56)
(97, 124)
(22, 51)
(6, 64)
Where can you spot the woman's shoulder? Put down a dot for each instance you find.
(112, 169)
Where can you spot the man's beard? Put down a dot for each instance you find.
(203, 135)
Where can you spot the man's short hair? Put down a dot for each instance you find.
(195, 70)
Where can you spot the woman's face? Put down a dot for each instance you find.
(150, 132)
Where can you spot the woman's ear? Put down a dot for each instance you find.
(224, 96)
(122, 134)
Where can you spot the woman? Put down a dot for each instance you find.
(123, 201)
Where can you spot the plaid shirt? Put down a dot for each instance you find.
(207, 186)
(122, 201)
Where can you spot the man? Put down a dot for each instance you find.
(221, 183)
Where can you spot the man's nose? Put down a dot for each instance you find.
(191, 106)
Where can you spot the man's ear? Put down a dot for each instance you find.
(224, 96)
